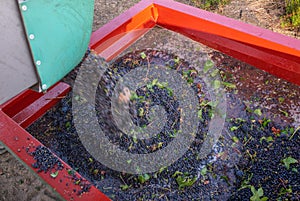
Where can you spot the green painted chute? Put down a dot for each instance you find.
(58, 32)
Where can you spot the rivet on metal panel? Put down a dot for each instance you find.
(38, 62)
(31, 36)
(44, 87)
(24, 7)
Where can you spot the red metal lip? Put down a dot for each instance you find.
(269, 51)
(27, 107)
(114, 37)
(19, 113)
(17, 140)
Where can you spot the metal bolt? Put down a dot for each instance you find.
(38, 62)
(44, 86)
(24, 8)
(31, 36)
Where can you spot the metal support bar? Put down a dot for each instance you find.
(19, 113)
(17, 140)
(30, 105)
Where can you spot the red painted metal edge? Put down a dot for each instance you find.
(13, 106)
(176, 14)
(114, 37)
(269, 51)
(18, 140)
(30, 105)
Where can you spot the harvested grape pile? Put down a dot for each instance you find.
(153, 94)
(141, 102)
(45, 160)
(255, 158)
(270, 161)
(188, 178)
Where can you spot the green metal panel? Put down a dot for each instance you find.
(58, 32)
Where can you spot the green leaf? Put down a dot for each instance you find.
(260, 192)
(170, 91)
(68, 125)
(154, 82)
(258, 112)
(134, 96)
(159, 145)
(268, 139)
(280, 99)
(265, 122)
(143, 178)
(217, 84)
(208, 65)
(234, 128)
(71, 172)
(143, 55)
(204, 103)
(141, 111)
(288, 161)
(173, 134)
(176, 60)
(54, 174)
(200, 114)
(184, 181)
(160, 85)
(284, 191)
(256, 194)
(77, 97)
(177, 173)
(229, 85)
(212, 104)
(95, 171)
(203, 171)
(162, 169)
(134, 138)
(235, 139)
(214, 73)
(124, 187)
(190, 80)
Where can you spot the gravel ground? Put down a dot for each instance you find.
(266, 140)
